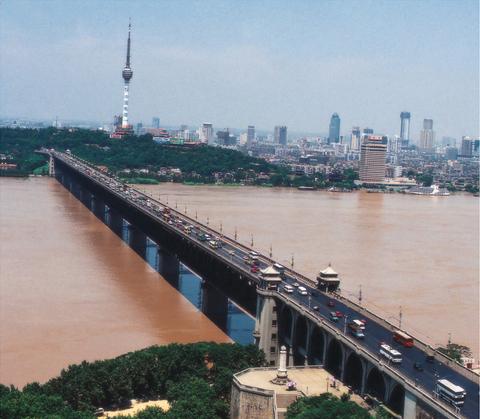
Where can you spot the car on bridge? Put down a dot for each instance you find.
(302, 291)
(333, 316)
(331, 303)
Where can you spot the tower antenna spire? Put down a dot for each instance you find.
(127, 64)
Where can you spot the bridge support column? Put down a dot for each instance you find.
(308, 344)
(138, 241)
(51, 167)
(266, 326)
(410, 406)
(169, 267)
(215, 305)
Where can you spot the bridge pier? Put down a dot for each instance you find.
(168, 267)
(410, 406)
(51, 167)
(215, 305)
(138, 241)
(266, 326)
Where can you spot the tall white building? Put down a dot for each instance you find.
(372, 159)
(205, 133)
(427, 136)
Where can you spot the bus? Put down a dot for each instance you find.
(451, 393)
(391, 354)
(402, 338)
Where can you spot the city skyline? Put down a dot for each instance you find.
(239, 65)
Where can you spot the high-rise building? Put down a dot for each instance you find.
(451, 153)
(206, 133)
(466, 149)
(355, 143)
(368, 131)
(404, 129)
(127, 74)
(427, 136)
(372, 159)
(155, 122)
(334, 129)
(280, 134)
(250, 134)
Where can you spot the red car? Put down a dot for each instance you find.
(339, 314)
(331, 303)
(254, 269)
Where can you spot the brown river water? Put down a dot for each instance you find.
(70, 289)
(417, 252)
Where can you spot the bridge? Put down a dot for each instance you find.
(301, 321)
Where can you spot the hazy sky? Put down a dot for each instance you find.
(235, 63)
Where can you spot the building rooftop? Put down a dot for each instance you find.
(310, 381)
(269, 271)
(328, 271)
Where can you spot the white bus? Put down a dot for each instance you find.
(391, 354)
(450, 392)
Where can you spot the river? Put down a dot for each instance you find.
(419, 253)
(72, 290)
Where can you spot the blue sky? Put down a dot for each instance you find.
(242, 62)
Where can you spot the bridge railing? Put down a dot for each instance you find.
(428, 349)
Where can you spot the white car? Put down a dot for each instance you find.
(302, 291)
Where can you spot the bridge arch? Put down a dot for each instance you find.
(317, 346)
(334, 358)
(397, 399)
(376, 385)
(285, 325)
(300, 341)
(354, 371)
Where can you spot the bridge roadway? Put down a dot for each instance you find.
(316, 302)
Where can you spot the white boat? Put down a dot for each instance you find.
(433, 190)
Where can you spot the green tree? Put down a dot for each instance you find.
(325, 406)
(455, 351)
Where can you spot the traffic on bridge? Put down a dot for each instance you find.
(439, 378)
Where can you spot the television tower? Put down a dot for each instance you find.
(127, 74)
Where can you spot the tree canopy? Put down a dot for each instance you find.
(184, 374)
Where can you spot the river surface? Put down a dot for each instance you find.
(419, 253)
(71, 289)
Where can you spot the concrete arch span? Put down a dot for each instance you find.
(375, 385)
(354, 372)
(396, 400)
(300, 341)
(285, 326)
(317, 346)
(334, 359)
